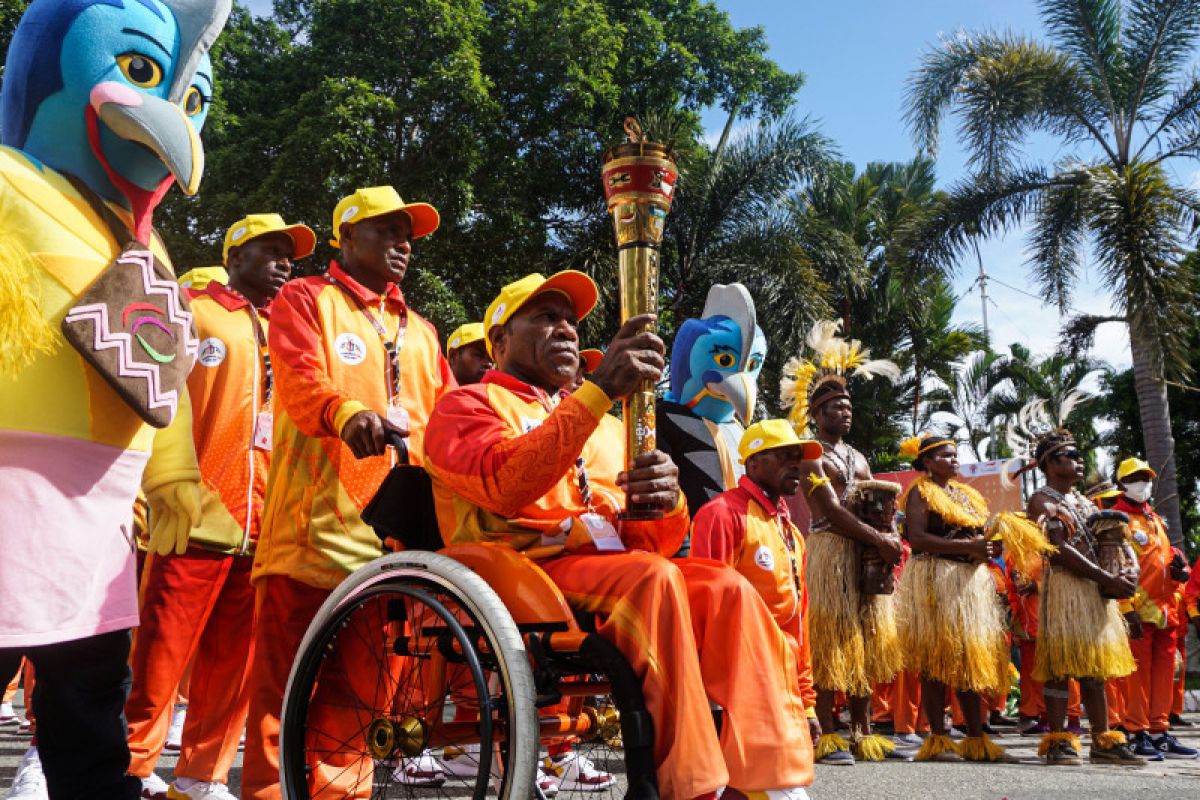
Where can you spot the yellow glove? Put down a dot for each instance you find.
(172, 485)
(174, 511)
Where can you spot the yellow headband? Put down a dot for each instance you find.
(911, 447)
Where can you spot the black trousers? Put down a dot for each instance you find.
(79, 702)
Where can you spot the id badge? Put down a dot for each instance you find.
(398, 416)
(603, 534)
(264, 425)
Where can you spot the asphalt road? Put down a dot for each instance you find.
(1029, 780)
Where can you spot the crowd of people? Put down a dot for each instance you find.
(893, 618)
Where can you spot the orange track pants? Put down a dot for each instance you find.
(1033, 701)
(196, 609)
(1148, 691)
(907, 714)
(691, 627)
(1181, 634)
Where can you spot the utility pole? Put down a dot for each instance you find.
(983, 296)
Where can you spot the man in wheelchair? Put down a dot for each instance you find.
(517, 459)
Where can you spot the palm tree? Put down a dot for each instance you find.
(967, 400)
(1055, 379)
(1110, 84)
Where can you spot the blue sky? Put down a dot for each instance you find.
(857, 56)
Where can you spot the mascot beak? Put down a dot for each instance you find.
(157, 124)
(739, 390)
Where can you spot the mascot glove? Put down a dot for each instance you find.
(174, 511)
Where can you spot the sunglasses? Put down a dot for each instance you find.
(1074, 455)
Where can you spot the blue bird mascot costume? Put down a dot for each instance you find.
(100, 112)
(715, 361)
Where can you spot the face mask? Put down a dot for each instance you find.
(1139, 492)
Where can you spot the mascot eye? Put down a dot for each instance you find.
(140, 70)
(193, 102)
(724, 360)
(755, 363)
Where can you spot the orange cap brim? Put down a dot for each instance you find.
(577, 286)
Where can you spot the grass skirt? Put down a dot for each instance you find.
(951, 625)
(852, 637)
(1080, 633)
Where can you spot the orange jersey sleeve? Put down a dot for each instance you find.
(302, 377)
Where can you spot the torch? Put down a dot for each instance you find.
(639, 182)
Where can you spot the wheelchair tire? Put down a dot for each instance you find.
(466, 607)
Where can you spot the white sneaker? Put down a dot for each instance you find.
(424, 770)
(26, 726)
(461, 761)
(175, 732)
(30, 782)
(191, 789)
(575, 773)
(8, 715)
(154, 788)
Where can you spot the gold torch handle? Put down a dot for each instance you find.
(639, 182)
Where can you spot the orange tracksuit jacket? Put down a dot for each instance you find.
(744, 529)
(502, 455)
(330, 363)
(197, 608)
(1148, 691)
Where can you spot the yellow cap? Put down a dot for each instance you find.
(196, 279)
(251, 226)
(377, 201)
(774, 433)
(464, 335)
(1131, 465)
(590, 359)
(575, 285)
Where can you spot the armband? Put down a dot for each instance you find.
(816, 482)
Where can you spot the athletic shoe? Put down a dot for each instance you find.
(1170, 747)
(424, 770)
(897, 755)
(796, 793)
(1143, 746)
(838, 758)
(989, 730)
(1061, 754)
(1121, 755)
(189, 789)
(26, 727)
(1033, 727)
(461, 761)
(154, 788)
(1179, 722)
(1073, 726)
(907, 740)
(30, 782)
(576, 773)
(955, 733)
(8, 715)
(998, 719)
(175, 732)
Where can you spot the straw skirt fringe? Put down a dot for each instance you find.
(951, 624)
(1080, 633)
(853, 637)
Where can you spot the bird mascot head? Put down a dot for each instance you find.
(716, 359)
(114, 93)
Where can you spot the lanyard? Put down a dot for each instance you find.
(261, 336)
(582, 481)
(789, 542)
(391, 346)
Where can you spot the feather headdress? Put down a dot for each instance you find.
(823, 374)
(1034, 424)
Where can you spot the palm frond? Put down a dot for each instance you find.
(1159, 39)
(1058, 230)
(1090, 31)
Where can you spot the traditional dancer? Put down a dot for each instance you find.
(1081, 634)
(952, 628)
(854, 639)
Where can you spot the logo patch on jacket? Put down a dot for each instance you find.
(350, 348)
(212, 352)
(764, 558)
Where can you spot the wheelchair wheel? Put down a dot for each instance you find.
(411, 660)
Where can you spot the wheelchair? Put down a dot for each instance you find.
(471, 655)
